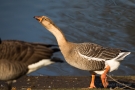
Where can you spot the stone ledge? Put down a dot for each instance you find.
(67, 82)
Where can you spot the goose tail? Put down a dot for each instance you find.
(122, 55)
(50, 45)
(55, 50)
(54, 47)
(57, 60)
(0, 41)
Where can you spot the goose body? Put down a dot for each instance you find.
(18, 58)
(93, 57)
(86, 56)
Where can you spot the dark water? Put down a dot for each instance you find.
(109, 23)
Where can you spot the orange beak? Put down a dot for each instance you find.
(39, 18)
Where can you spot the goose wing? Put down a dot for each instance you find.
(21, 51)
(96, 52)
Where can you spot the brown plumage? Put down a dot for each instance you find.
(86, 56)
(18, 58)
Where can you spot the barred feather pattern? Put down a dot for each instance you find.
(93, 52)
(97, 51)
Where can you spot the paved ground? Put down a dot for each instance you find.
(66, 82)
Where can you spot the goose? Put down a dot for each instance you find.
(18, 58)
(86, 56)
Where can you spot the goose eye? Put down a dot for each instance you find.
(45, 19)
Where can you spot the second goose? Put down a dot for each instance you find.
(18, 58)
(86, 56)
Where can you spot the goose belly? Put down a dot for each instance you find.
(11, 70)
(10, 75)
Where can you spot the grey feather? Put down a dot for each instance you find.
(97, 51)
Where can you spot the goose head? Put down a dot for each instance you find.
(45, 21)
(50, 26)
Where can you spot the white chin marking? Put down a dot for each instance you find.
(41, 63)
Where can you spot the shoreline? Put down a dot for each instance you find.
(68, 83)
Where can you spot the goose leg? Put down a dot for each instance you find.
(9, 83)
(92, 84)
(104, 77)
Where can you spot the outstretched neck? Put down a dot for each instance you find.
(57, 33)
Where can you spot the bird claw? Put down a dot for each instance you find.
(92, 86)
(13, 88)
